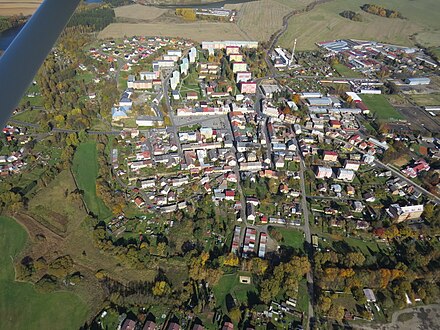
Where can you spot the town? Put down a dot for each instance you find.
(315, 158)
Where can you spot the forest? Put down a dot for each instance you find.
(96, 18)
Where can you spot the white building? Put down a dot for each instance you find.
(149, 121)
(323, 172)
(346, 175)
(418, 81)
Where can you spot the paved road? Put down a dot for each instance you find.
(307, 232)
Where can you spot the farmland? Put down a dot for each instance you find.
(325, 23)
(17, 7)
(21, 306)
(380, 107)
(85, 168)
(198, 31)
(260, 19)
(139, 12)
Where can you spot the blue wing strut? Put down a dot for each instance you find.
(24, 56)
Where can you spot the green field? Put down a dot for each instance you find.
(325, 23)
(29, 116)
(55, 207)
(426, 99)
(230, 284)
(380, 108)
(345, 71)
(21, 307)
(293, 238)
(85, 169)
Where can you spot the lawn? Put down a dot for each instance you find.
(345, 71)
(303, 296)
(381, 108)
(30, 116)
(291, 237)
(21, 307)
(230, 284)
(85, 169)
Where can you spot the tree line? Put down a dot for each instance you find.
(381, 11)
(10, 22)
(351, 15)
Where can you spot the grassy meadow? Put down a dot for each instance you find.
(85, 169)
(51, 207)
(291, 237)
(325, 23)
(380, 107)
(21, 306)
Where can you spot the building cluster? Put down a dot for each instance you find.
(372, 56)
(214, 89)
(13, 162)
(228, 14)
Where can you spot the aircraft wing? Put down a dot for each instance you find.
(24, 56)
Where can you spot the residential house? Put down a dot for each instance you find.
(128, 325)
(149, 325)
(402, 213)
(346, 175)
(330, 156)
(352, 165)
(323, 172)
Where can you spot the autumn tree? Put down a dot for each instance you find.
(161, 288)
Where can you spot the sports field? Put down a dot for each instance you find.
(85, 169)
(21, 307)
(325, 23)
(380, 108)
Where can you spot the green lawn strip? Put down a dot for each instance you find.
(21, 306)
(345, 71)
(29, 116)
(85, 169)
(380, 107)
(303, 297)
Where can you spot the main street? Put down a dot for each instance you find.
(307, 232)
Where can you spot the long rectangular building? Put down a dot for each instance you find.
(236, 240)
(262, 246)
(224, 44)
(249, 241)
